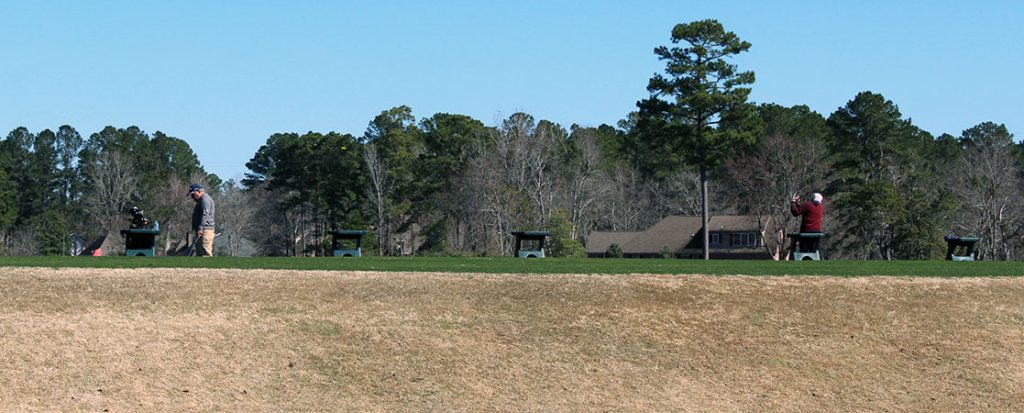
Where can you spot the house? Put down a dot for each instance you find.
(104, 245)
(731, 236)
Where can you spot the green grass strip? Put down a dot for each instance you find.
(543, 266)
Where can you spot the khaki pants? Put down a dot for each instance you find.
(204, 246)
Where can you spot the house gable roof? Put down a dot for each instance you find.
(675, 232)
(599, 241)
(107, 245)
(743, 223)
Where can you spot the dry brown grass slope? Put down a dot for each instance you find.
(237, 340)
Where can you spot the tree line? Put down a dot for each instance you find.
(448, 184)
(60, 190)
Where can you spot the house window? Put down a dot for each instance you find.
(743, 239)
(716, 239)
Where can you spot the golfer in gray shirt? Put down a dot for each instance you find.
(202, 220)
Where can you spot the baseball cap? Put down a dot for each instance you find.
(193, 188)
(817, 198)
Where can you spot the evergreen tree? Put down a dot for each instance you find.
(687, 118)
(445, 203)
(887, 192)
(392, 144)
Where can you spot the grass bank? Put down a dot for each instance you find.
(256, 340)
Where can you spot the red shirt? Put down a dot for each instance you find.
(810, 213)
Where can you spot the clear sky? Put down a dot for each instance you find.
(225, 75)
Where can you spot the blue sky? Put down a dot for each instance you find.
(224, 75)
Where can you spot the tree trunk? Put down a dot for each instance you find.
(704, 209)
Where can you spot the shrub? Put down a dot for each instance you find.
(562, 243)
(614, 251)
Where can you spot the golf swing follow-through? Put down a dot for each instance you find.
(808, 240)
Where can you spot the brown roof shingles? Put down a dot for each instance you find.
(674, 232)
(599, 241)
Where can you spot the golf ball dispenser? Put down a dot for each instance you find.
(805, 246)
(140, 242)
(534, 241)
(347, 242)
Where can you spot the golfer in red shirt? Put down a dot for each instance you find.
(809, 212)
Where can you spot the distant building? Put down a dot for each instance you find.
(103, 245)
(731, 236)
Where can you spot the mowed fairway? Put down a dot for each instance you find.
(159, 339)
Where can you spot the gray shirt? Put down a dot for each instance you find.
(202, 214)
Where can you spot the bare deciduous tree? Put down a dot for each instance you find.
(488, 179)
(239, 209)
(171, 198)
(379, 192)
(582, 181)
(988, 188)
(514, 175)
(268, 229)
(113, 183)
(538, 150)
(679, 194)
(22, 242)
(625, 205)
(763, 183)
